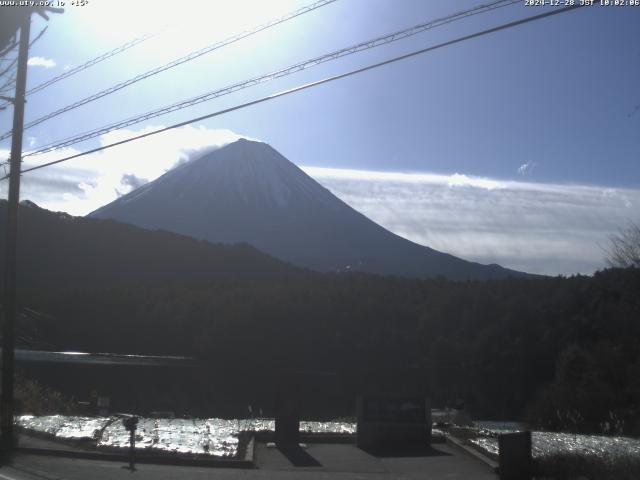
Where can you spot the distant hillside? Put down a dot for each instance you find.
(58, 250)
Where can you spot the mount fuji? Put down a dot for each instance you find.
(248, 192)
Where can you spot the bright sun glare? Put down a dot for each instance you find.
(190, 23)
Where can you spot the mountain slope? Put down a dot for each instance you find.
(58, 250)
(248, 192)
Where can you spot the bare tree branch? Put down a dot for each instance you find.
(624, 247)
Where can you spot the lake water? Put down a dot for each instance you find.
(219, 437)
(611, 449)
(202, 436)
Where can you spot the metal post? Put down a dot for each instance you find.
(8, 331)
(130, 423)
(132, 449)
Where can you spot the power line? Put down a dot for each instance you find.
(8, 83)
(8, 48)
(312, 84)
(10, 66)
(90, 63)
(93, 61)
(174, 63)
(14, 62)
(389, 38)
(7, 87)
(87, 64)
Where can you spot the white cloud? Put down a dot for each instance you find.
(455, 180)
(527, 168)
(540, 228)
(132, 181)
(84, 184)
(41, 62)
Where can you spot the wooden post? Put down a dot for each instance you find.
(10, 313)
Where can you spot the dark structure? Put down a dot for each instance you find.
(390, 422)
(296, 392)
(287, 422)
(287, 408)
(112, 382)
(393, 408)
(515, 455)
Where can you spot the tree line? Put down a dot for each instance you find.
(561, 352)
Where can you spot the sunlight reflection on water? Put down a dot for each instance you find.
(547, 444)
(210, 436)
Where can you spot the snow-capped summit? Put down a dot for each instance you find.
(248, 192)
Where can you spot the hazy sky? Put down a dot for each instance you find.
(519, 148)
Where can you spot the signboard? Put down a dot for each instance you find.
(393, 421)
(394, 409)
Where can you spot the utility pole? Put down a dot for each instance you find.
(10, 309)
